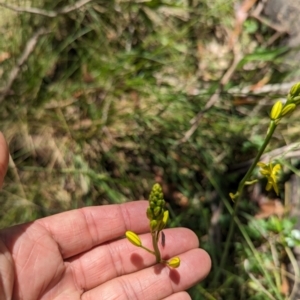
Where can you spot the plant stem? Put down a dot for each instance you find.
(206, 294)
(259, 261)
(148, 250)
(241, 186)
(262, 149)
(155, 246)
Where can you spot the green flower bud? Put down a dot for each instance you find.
(296, 100)
(295, 90)
(156, 193)
(149, 213)
(174, 262)
(160, 203)
(288, 109)
(133, 238)
(153, 225)
(157, 210)
(161, 215)
(276, 110)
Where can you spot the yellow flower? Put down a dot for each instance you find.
(174, 262)
(276, 110)
(270, 171)
(133, 238)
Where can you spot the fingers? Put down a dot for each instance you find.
(4, 156)
(6, 273)
(157, 282)
(120, 257)
(80, 230)
(179, 296)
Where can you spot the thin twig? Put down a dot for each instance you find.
(196, 120)
(31, 43)
(278, 88)
(278, 28)
(47, 13)
(215, 97)
(257, 15)
(17, 178)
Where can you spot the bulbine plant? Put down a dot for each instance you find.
(158, 217)
(281, 109)
(271, 170)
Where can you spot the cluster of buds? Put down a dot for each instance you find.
(158, 217)
(280, 110)
(294, 94)
(156, 212)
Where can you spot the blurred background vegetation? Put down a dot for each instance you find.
(102, 99)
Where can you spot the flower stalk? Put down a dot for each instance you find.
(278, 111)
(158, 217)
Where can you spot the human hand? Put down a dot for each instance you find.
(80, 254)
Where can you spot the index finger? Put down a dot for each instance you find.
(80, 230)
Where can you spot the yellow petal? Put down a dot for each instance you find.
(264, 172)
(272, 179)
(276, 168)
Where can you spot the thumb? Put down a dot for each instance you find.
(4, 156)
